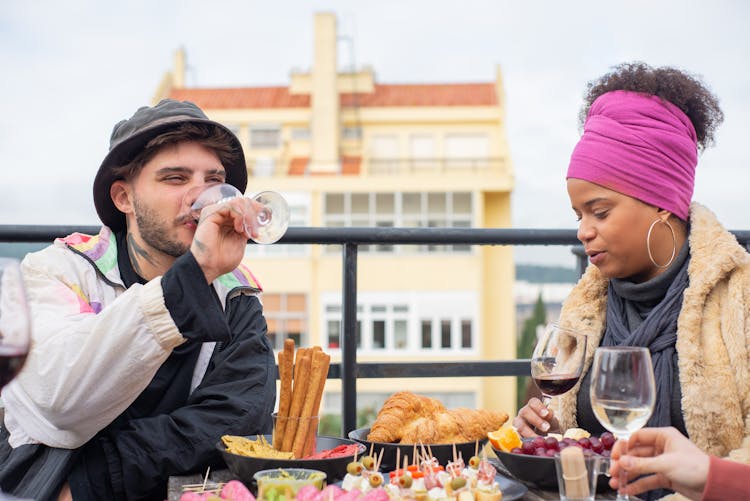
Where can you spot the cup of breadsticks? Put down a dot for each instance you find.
(294, 442)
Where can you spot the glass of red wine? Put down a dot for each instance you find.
(15, 320)
(557, 361)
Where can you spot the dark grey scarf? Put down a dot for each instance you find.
(657, 332)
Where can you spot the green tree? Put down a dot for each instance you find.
(526, 346)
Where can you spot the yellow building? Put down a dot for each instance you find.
(346, 150)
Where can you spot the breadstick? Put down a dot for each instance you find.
(316, 405)
(316, 376)
(285, 395)
(301, 383)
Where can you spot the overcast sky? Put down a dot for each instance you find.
(71, 69)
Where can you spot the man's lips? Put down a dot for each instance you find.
(187, 220)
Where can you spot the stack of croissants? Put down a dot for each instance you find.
(412, 419)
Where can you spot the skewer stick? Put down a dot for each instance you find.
(476, 448)
(398, 458)
(205, 480)
(455, 458)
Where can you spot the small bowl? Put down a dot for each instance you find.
(281, 480)
(443, 452)
(537, 470)
(244, 467)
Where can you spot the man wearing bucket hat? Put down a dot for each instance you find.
(149, 338)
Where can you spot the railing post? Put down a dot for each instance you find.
(349, 341)
(582, 258)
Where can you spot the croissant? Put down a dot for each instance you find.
(408, 418)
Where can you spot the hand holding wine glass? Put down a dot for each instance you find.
(557, 361)
(15, 321)
(622, 393)
(266, 220)
(556, 366)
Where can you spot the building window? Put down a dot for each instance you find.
(408, 210)
(384, 153)
(265, 137)
(286, 316)
(301, 134)
(422, 151)
(351, 133)
(467, 151)
(264, 167)
(405, 323)
(334, 331)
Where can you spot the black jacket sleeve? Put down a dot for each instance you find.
(236, 396)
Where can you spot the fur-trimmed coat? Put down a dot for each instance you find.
(713, 338)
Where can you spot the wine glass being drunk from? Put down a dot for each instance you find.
(557, 361)
(622, 392)
(15, 320)
(265, 223)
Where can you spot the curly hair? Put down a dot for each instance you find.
(684, 90)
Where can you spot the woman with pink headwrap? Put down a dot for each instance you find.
(664, 273)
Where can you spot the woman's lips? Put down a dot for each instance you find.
(596, 257)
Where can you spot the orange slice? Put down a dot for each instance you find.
(505, 439)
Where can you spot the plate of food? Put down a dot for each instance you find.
(424, 477)
(533, 461)
(407, 419)
(248, 455)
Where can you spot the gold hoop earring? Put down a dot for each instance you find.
(648, 243)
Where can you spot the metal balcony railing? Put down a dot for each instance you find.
(350, 239)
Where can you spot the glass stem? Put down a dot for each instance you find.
(623, 479)
(546, 399)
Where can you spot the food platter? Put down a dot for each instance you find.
(244, 467)
(443, 452)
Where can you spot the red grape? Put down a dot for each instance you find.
(516, 450)
(538, 442)
(596, 445)
(552, 453)
(551, 443)
(608, 440)
(527, 447)
(585, 443)
(541, 451)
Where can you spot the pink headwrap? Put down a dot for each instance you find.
(641, 146)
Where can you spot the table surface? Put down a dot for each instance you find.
(533, 494)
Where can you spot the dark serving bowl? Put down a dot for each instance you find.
(443, 452)
(244, 467)
(538, 470)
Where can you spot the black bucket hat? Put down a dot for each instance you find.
(130, 136)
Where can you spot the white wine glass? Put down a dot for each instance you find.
(15, 320)
(622, 393)
(557, 361)
(269, 217)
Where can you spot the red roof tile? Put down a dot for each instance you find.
(245, 97)
(472, 94)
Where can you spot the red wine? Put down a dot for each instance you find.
(11, 361)
(555, 384)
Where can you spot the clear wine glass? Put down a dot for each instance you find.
(622, 392)
(15, 320)
(557, 361)
(269, 217)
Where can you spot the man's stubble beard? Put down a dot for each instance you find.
(155, 232)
